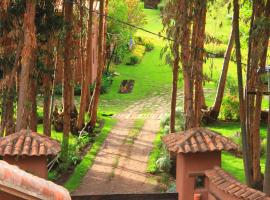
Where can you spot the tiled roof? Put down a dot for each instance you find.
(14, 179)
(198, 140)
(231, 186)
(28, 143)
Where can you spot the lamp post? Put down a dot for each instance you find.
(265, 79)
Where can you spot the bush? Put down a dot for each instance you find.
(106, 83)
(136, 55)
(217, 49)
(165, 120)
(263, 147)
(146, 42)
(231, 86)
(133, 60)
(164, 162)
(230, 108)
(149, 47)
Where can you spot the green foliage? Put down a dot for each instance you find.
(88, 160)
(133, 60)
(155, 154)
(145, 41)
(164, 162)
(230, 108)
(136, 55)
(264, 147)
(107, 80)
(217, 51)
(120, 34)
(232, 88)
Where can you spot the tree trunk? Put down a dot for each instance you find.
(48, 89)
(266, 184)
(26, 62)
(101, 40)
(85, 93)
(214, 111)
(256, 59)
(176, 55)
(67, 76)
(200, 18)
(32, 100)
(245, 142)
(185, 59)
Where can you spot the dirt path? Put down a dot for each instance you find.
(121, 167)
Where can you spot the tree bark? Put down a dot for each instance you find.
(48, 89)
(200, 18)
(256, 59)
(32, 99)
(101, 40)
(176, 61)
(67, 76)
(266, 184)
(85, 93)
(185, 59)
(245, 142)
(214, 111)
(26, 62)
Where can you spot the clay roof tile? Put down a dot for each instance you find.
(28, 143)
(198, 140)
(228, 184)
(27, 184)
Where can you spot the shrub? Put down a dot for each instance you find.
(230, 108)
(149, 47)
(106, 84)
(133, 60)
(165, 120)
(146, 42)
(263, 147)
(231, 86)
(217, 50)
(136, 55)
(166, 130)
(164, 162)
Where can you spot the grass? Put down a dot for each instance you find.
(88, 160)
(152, 76)
(134, 132)
(155, 153)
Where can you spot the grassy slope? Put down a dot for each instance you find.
(152, 76)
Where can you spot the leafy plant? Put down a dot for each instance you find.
(230, 108)
(164, 162)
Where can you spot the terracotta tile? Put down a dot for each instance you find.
(225, 182)
(28, 143)
(198, 140)
(17, 179)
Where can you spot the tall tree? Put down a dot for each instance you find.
(256, 60)
(101, 40)
(266, 184)
(176, 55)
(215, 109)
(48, 85)
(28, 54)
(85, 93)
(245, 142)
(67, 75)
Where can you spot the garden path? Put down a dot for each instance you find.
(121, 167)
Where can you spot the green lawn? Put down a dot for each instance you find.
(152, 76)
